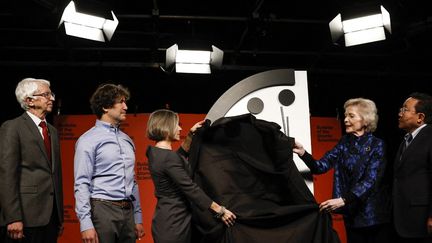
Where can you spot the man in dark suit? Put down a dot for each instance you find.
(412, 182)
(31, 196)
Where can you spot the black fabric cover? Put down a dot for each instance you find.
(247, 165)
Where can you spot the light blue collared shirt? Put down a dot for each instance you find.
(104, 168)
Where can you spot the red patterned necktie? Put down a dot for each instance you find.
(46, 138)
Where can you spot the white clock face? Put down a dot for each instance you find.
(280, 97)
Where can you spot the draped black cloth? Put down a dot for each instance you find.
(247, 165)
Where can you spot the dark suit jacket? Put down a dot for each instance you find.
(29, 182)
(173, 186)
(412, 186)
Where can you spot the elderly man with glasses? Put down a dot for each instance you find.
(31, 196)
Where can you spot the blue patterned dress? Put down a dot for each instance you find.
(359, 166)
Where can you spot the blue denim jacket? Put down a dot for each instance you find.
(359, 164)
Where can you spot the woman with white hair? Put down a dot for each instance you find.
(359, 191)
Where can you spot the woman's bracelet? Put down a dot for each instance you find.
(219, 214)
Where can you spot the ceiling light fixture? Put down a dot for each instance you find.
(193, 61)
(360, 30)
(87, 26)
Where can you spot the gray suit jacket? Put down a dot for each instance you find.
(29, 182)
(412, 186)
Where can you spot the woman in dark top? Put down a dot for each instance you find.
(174, 188)
(359, 191)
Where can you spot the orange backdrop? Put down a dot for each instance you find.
(325, 133)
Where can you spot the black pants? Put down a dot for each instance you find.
(42, 234)
(412, 240)
(373, 234)
(112, 223)
(398, 239)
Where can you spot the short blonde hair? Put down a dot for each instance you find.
(162, 125)
(367, 110)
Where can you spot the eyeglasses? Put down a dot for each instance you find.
(404, 109)
(46, 95)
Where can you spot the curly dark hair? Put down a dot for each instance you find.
(105, 96)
